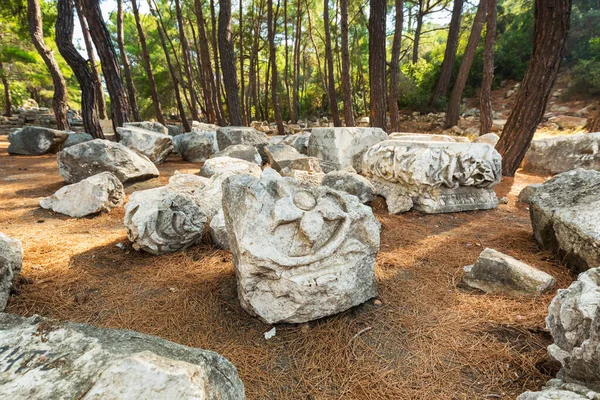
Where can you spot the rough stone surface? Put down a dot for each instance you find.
(76, 138)
(163, 220)
(563, 153)
(337, 148)
(36, 140)
(11, 260)
(489, 138)
(155, 146)
(197, 146)
(298, 141)
(73, 361)
(300, 252)
(555, 389)
(90, 158)
(417, 137)
(528, 191)
(215, 166)
(149, 126)
(351, 183)
(202, 126)
(187, 183)
(218, 231)
(243, 152)
(98, 193)
(281, 155)
(230, 135)
(565, 215)
(494, 272)
(175, 130)
(574, 322)
(434, 177)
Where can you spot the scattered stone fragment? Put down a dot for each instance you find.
(230, 135)
(98, 193)
(351, 183)
(489, 138)
(281, 155)
(90, 158)
(218, 231)
(299, 141)
(36, 140)
(563, 153)
(528, 191)
(565, 215)
(76, 138)
(148, 126)
(337, 148)
(155, 146)
(574, 322)
(215, 166)
(494, 272)
(434, 177)
(300, 252)
(163, 220)
(197, 146)
(11, 260)
(242, 151)
(75, 361)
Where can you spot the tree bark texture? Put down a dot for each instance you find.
(395, 69)
(228, 63)
(135, 111)
(485, 94)
(333, 107)
(346, 85)
(377, 63)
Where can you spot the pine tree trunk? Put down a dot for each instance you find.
(418, 28)
(80, 67)
(241, 55)
(593, 123)
(59, 100)
(443, 82)
(552, 18)
(100, 101)
(274, 79)
(333, 107)
(210, 92)
(7, 94)
(395, 69)
(295, 107)
(485, 94)
(228, 63)
(147, 65)
(135, 111)
(174, 78)
(377, 63)
(286, 72)
(185, 51)
(453, 113)
(318, 57)
(215, 46)
(346, 85)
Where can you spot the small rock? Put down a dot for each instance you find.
(270, 334)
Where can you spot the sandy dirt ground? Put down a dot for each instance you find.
(425, 337)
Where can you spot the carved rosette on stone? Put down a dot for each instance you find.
(300, 252)
(163, 220)
(434, 177)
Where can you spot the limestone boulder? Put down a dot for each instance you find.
(243, 152)
(76, 138)
(300, 252)
(298, 141)
(565, 216)
(155, 146)
(98, 193)
(202, 126)
(489, 138)
(215, 166)
(568, 122)
(187, 183)
(281, 155)
(574, 322)
(434, 177)
(416, 137)
(230, 135)
(563, 153)
(306, 170)
(11, 261)
(556, 389)
(494, 272)
(218, 231)
(163, 220)
(75, 361)
(36, 140)
(175, 130)
(350, 183)
(197, 146)
(337, 148)
(148, 126)
(528, 191)
(90, 158)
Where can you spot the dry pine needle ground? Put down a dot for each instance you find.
(430, 338)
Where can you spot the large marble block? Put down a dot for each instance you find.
(434, 177)
(563, 153)
(339, 148)
(300, 252)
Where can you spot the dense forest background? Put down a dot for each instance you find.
(299, 37)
